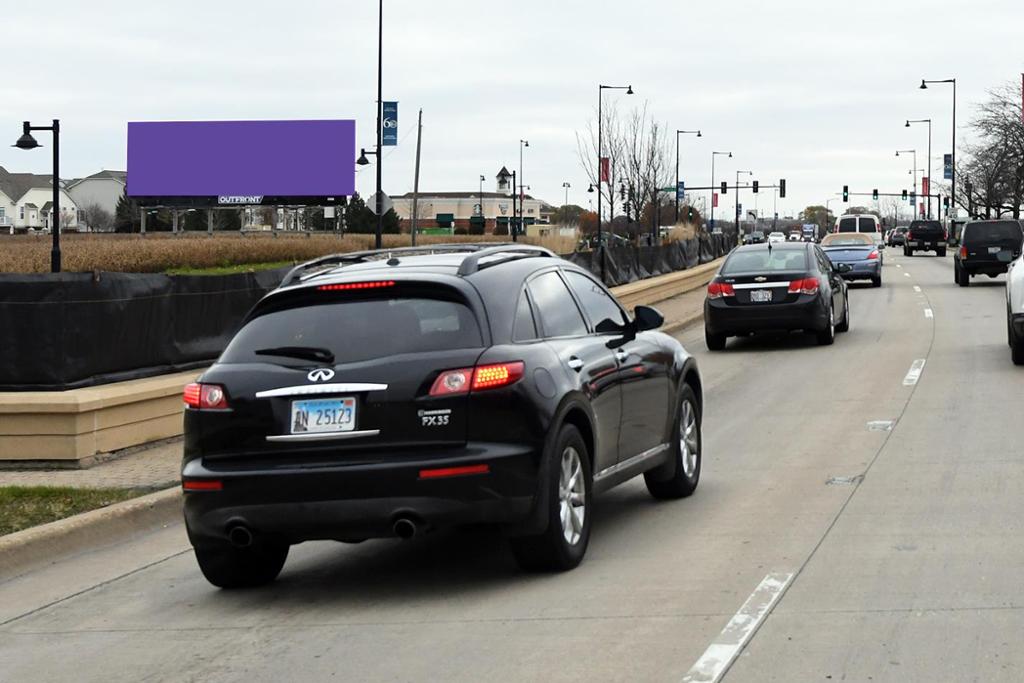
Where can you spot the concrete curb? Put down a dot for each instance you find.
(679, 325)
(48, 543)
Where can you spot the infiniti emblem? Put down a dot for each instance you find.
(320, 375)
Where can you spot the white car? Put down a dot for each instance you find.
(866, 223)
(774, 237)
(795, 237)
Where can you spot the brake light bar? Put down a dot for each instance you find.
(205, 396)
(479, 378)
(717, 290)
(202, 485)
(349, 286)
(805, 286)
(441, 472)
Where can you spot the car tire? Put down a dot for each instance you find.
(1016, 343)
(876, 281)
(906, 252)
(714, 342)
(562, 545)
(678, 478)
(226, 566)
(828, 335)
(956, 273)
(844, 324)
(965, 278)
(941, 253)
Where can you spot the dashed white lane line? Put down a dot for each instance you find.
(898, 265)
(723, 651)
(914, 373)
(917, 289)
(906, 274)
(928, 313)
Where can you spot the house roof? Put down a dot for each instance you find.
(460, 195)
(47, 206)
(30, 205)
(15, 185)
(504, 172)
(119, 176)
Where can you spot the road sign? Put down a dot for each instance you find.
(681, 191)
(947, 166)
(739, 209)
(386, 206)
(389, 124)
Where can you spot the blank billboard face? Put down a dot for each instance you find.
(215, 158)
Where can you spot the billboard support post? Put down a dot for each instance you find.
(209, 221)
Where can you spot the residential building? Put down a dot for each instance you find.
(26, 201)
(103, 189)
(466, 210)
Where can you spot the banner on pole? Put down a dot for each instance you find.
(947, 166)
(925, 189)
(714, 200)
(605, 170)
(389, 124)
(681, 191)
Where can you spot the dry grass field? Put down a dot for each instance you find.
(198, 252)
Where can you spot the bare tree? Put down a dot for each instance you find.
(97, 218)
(991, 178)
(611, 147)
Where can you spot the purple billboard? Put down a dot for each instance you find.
(241, 158)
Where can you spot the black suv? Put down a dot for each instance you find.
(925, 236)
(986, 247)
(386, 393)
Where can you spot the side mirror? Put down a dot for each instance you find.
(609, 326)
(647, 318)
(843, 268)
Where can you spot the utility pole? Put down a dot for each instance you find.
(416, 178)
(512, 227)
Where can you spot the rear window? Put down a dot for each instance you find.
(847, 225)
(851, 240)
(927, 225)
(1001, 231)
(357, 330)
(763, 260)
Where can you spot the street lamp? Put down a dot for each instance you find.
(931, 179)
(600, 91)
(678, 133)
(522, 143)
(481, 194)
(712, 202)
(26, 141)
(913, 169)
(566, 185)
(952, 175)
(738, 231)
(362, 160)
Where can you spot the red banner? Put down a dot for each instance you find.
(925, 187)
(605, 170)
(922, 209)
(714, 200)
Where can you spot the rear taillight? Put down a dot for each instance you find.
(910, 235)
(480, 378)
(945, 235)
(202, 485)
(716, 290)
(206, 396)
(805, 286)
(963, 252)
(873, 255)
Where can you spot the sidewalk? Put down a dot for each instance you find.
(158, 466)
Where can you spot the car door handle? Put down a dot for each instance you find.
(621, 355)
(575, 363)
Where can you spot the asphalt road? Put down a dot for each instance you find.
(834, 545)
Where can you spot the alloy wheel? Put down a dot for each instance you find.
(572, 494)
(689, 445)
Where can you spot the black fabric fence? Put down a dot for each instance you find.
(73, 330)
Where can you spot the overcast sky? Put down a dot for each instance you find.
(813, 91)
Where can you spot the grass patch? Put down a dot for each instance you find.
(22, 507)
(229, 270)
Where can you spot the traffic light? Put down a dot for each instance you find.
(689, 213)
(913, 198)
(846, 193)
(904, 194)
(782, 188)
(725, 187)
(755, 187)
(874, 194)
(945, 202)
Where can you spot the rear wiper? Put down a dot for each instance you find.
(303, 352)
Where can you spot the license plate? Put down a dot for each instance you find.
(323, 415)
(994, 250)
(760, 296)
(912, 243)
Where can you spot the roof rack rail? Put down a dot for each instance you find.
(306, 269)
(471, 263)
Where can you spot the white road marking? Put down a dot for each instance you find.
(880, 425)
(722, 652)
(906, 274)
(917, 289)
(928, 313)
(898, 265)
(915, 373)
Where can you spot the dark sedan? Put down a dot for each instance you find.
(787, 286)
(857, 250)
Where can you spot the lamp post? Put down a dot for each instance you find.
(738, 231)
(363, 161)
(483, 216)
(26, 141)
(566, 185)
(600, 91)
(678, 133)
(711, 203)
(931, 178)
(522, 179)
(952, 178)
(913, 169)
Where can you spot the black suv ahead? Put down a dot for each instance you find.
(386, 393)
(986, 247)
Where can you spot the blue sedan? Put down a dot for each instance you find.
(857, 250)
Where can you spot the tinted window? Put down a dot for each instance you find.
(847, 225)
(931, 225)
(868, 224)
(357, 330)
(981, 233)
(524, 328)
(558, 312)
(763, 260)
(596, 302)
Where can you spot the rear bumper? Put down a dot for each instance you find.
(976, 267)
(1017, 320)
(925, 245)
(864, 270)
(720, 318)
(363, 501)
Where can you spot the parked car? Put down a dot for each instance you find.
(1015, 310)
(897, 236)
(986, 247)
(925, 236)
(858, 251)
(386, 393)
(776, 287)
